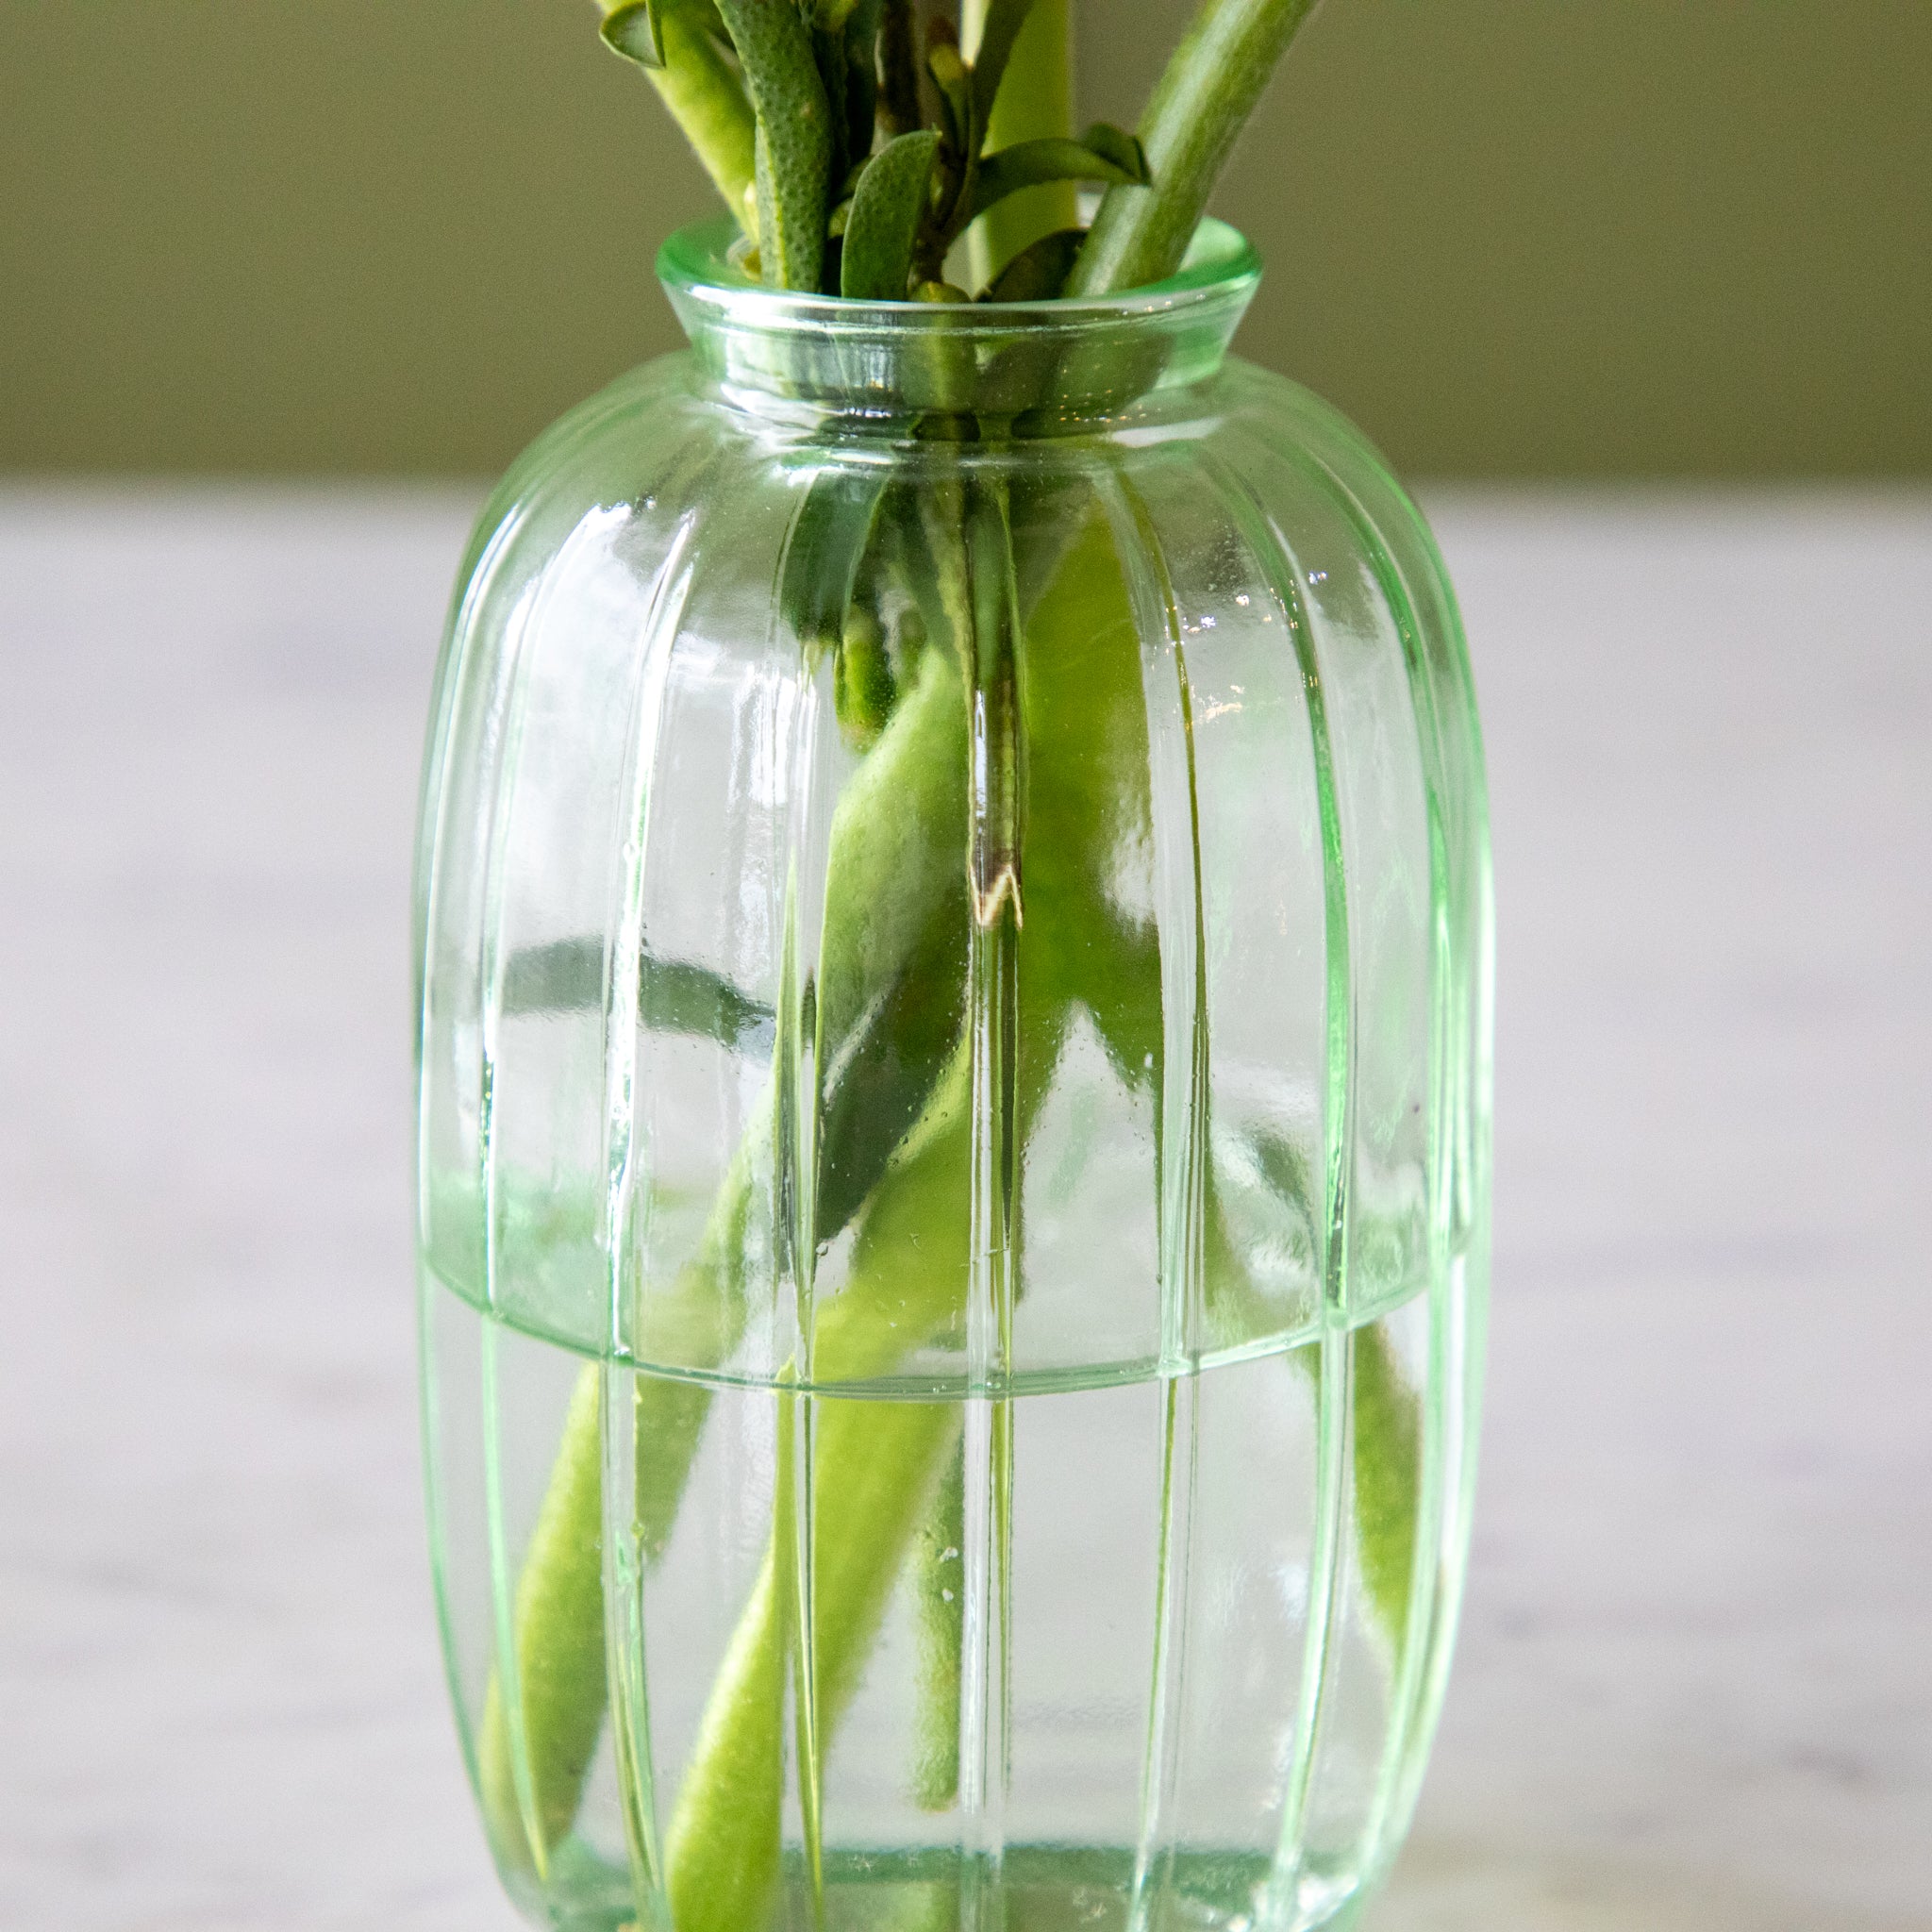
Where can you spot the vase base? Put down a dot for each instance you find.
(1035, 1889)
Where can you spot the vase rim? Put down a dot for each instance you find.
(696, 261)
(1067, 359)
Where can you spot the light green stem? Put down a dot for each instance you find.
(707, 101)
(1387, 1465)
(560, 1678)
(1198, 107)
(894, 871)
(876, 1463)
(940, 1587)
(873, 1464)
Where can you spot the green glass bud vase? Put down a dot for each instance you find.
(953, 969)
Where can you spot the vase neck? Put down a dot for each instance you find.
(1032, 368)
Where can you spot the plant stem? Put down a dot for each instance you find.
(1197, 110)
(1387, 1478)
(1035, 102)
(941, 1596)
(559, 1604)
(877, 1463)
(898, 68)
(793, 156)
(707, 101)
(874, 1463)
(894, 872)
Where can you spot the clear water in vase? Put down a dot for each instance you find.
(1152, 1651)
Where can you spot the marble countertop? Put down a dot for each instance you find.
(1695, 1688)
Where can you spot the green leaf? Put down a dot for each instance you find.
(887, 207)
(882, 1076)
(1121, 148)
(829, 16)
(863, 684)
(1040, 271)
(829, 542)
(635, 32)
(673, 996)
(563, 977)
(1004, 20)
(1030, 162)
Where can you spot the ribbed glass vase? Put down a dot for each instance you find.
(954, 984)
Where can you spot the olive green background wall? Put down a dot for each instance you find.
(1511, 236)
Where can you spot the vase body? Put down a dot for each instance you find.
(952, 942)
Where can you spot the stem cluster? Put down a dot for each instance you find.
(887, 150)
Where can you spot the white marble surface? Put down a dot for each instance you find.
(1695, 1690)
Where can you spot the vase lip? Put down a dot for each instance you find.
(695, 261)
(1063, 360)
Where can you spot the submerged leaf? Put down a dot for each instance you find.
(863, 687)
(673, 996)
(829, 538)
